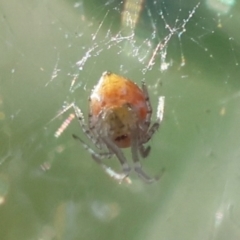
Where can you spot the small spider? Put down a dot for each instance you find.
(119, 117)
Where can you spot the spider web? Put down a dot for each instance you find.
(54, 52)
(127, 38)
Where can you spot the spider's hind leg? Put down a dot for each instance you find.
(149, 106)
(156, 124)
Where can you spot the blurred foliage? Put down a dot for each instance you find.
(51, 189)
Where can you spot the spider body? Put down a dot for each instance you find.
(119, 117)
(118, 105)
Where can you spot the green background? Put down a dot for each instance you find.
(197, 144)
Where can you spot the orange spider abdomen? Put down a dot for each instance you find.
(122, 102)
(114, 90)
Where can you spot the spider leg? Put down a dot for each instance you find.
(137, 165)
(155, 126)
(117, 176)
(149, 106)
(144, 152)
(91, 125)
(120, 156)
(84, 127)
(98, 157)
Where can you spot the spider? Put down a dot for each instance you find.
(119, 117)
